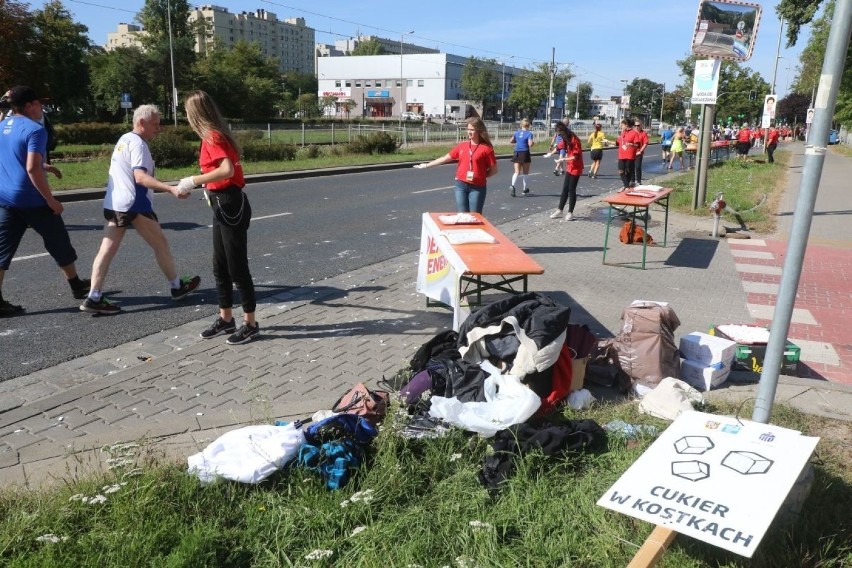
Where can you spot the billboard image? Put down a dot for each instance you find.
(726, 29)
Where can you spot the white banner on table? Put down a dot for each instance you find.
(439, 269)
(714, 478)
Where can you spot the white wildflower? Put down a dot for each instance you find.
(455, 457)
(481, 525)
(466, 562)
(107, 489)
(52, 538)
(319, 554)
(365, 496)
(345, 503)
(96, 500)
(135, 472)
(357, 530)
(77, 497)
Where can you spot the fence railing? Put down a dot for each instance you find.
(307, 134)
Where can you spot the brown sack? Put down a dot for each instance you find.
(646, 345)
(632, 233)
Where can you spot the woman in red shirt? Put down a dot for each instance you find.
(476, 163)
(223, 175)
(573, 171)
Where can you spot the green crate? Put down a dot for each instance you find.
(750, 357)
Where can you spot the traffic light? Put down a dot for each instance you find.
(752, 95)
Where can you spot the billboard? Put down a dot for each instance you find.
(726, 29)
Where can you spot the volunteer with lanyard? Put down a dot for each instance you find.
(476, 163)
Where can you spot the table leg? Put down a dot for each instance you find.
(666, 223)
(645, 236)
(606, 235)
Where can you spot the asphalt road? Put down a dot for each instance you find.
(302, 231)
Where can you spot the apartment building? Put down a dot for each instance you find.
(290, 41)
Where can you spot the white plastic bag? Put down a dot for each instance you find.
(669, 399)
(508, 402)
(580, 399)
(248, 455)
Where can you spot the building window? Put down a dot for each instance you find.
(337, 84)
(398, 83)
(419, 82)
(409, 83)
(357, 83)
(378, 83)
(368, 83)
(348, 83)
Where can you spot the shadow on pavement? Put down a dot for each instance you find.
(693, 252)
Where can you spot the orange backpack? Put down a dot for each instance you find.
(632, 233)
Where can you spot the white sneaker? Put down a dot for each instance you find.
(556, 214)
(569, 216)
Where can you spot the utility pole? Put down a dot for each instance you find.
(824, 106)
(577, 101)
(550, 91)
(662, 102)
(172, 59)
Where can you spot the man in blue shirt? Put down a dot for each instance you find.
(666, 137)
(25, 196)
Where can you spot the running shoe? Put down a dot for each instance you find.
(219, 327)
(187, 285)
(82, 291)
(512, 190)
(243, 335)
(7, 309)
(556, 214)
(569, 216)
(102, 306)
(526, 190)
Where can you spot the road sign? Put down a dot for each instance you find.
(126, 101)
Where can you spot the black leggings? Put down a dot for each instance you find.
(625, 170)
(569, 192)
(231, 219)
(637, 168)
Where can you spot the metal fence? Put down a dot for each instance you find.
(323, 134)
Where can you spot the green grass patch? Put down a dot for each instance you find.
(842, 149)
(751, 187)
(93, 173)
(420, 505)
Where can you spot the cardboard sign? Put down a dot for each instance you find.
(714, 478)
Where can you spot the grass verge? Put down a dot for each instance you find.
(418, 503)
(752, 187)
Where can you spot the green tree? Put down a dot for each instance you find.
(736, 82)
(327, 103)
(645, 96)
(371, 46)
(18, 47)
(480, 81)
(792, 108)
(244, 83)
(584, 90)
(308, 105)
(122, 70)
(157, 18)
(63, 48)
(531, 88)
(811, 60)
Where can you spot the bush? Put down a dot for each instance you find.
(375, 143)
(309, 152)
(90, 133)
(265, 152)
(170, 150)
(245, 137)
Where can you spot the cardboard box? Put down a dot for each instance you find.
(704, 377)
(749, 357)
(707, 349)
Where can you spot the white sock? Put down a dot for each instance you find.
(95, 294)
(524, 180)
(514, 178)
(175, 284)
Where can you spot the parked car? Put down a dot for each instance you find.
(539, 124)
(412, 116)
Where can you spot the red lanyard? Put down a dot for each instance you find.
(472, 151)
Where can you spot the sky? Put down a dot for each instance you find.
(603, 41)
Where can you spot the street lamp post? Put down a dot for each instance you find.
(401, 78)
(172, 60)
(623, 90)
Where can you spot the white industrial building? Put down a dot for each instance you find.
(383, 86)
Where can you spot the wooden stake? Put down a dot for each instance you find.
(653, 548)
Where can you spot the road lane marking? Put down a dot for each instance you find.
(434, 189)
(270, 216)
